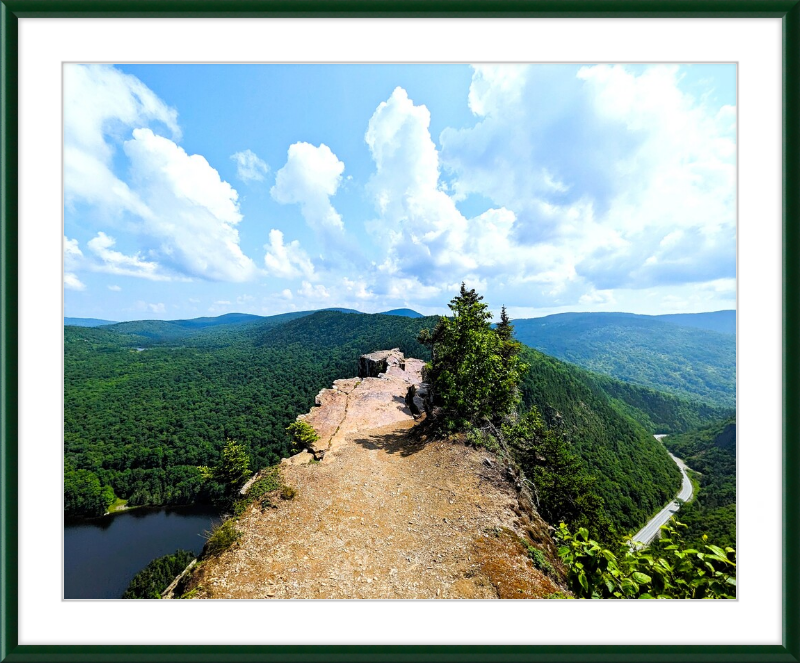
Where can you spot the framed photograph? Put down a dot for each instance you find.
(381, 306)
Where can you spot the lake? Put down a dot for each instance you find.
(102, 555)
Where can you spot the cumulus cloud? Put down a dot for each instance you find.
(102, 103)
(72, 282)
(313, 292)
(195, 212)
(182, 213)
(114, 288)
(115, 262)
(72, 261)
(286, 261)
(310, 178)
(431, 243)
(617, 179)
(249, 168)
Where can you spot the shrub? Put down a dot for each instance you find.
(303, 434)
(288, 493)
(538, 558)
(221, 537)
(667, 569)
(233, 469)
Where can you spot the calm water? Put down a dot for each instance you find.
(101, 556)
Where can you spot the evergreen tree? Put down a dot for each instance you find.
(473, 371)
(233, 469)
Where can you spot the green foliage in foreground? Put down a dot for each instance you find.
(711, 452)
(157, 575)
(668, 569)
(221, 537)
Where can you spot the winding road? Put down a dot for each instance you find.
(645, 535)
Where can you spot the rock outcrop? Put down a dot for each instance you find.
(375, 363)
(376, 398)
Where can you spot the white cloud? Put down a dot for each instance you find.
(310, 178)
(115, 262)
(182, 213)
(101, 102)
(114, 288)
(195, 212)
(73, 257)
(72, 253)
(157, 308)
(72, 282)
(313, 292)
(286, 261)
(616, 179)
(430, 241)
(249, 168)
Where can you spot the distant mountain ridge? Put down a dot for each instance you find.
(87, 322)
(723, 322)
(684, 359)
(229, 319)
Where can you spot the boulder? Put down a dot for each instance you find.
(374, 364)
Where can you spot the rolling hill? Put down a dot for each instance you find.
(723, 322)
(686, 361)
(86, 322)
(141, 421)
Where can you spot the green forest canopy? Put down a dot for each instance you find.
(143, 410)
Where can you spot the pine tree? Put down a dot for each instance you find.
(473, 371)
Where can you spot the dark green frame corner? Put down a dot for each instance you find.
(11, 10)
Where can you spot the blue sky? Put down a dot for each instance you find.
(195, 190)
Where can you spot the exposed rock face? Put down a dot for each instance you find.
(373, 364)
(376, 398)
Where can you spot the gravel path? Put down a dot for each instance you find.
(386, 514)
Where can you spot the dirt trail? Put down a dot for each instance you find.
(385, 514)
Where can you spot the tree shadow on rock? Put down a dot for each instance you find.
(402, 442)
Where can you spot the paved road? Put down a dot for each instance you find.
(645, 535)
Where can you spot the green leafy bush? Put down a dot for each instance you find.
(221, 537)
(538, 558)
(303, 434)
(667, 569)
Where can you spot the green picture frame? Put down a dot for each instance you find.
(10, 10)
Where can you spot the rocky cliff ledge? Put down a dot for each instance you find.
(376, 398)
(387, 513)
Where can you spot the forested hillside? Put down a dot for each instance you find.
(635, 477)
(143, 420)
(710, 451)
(686, 361)
(143, 409)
